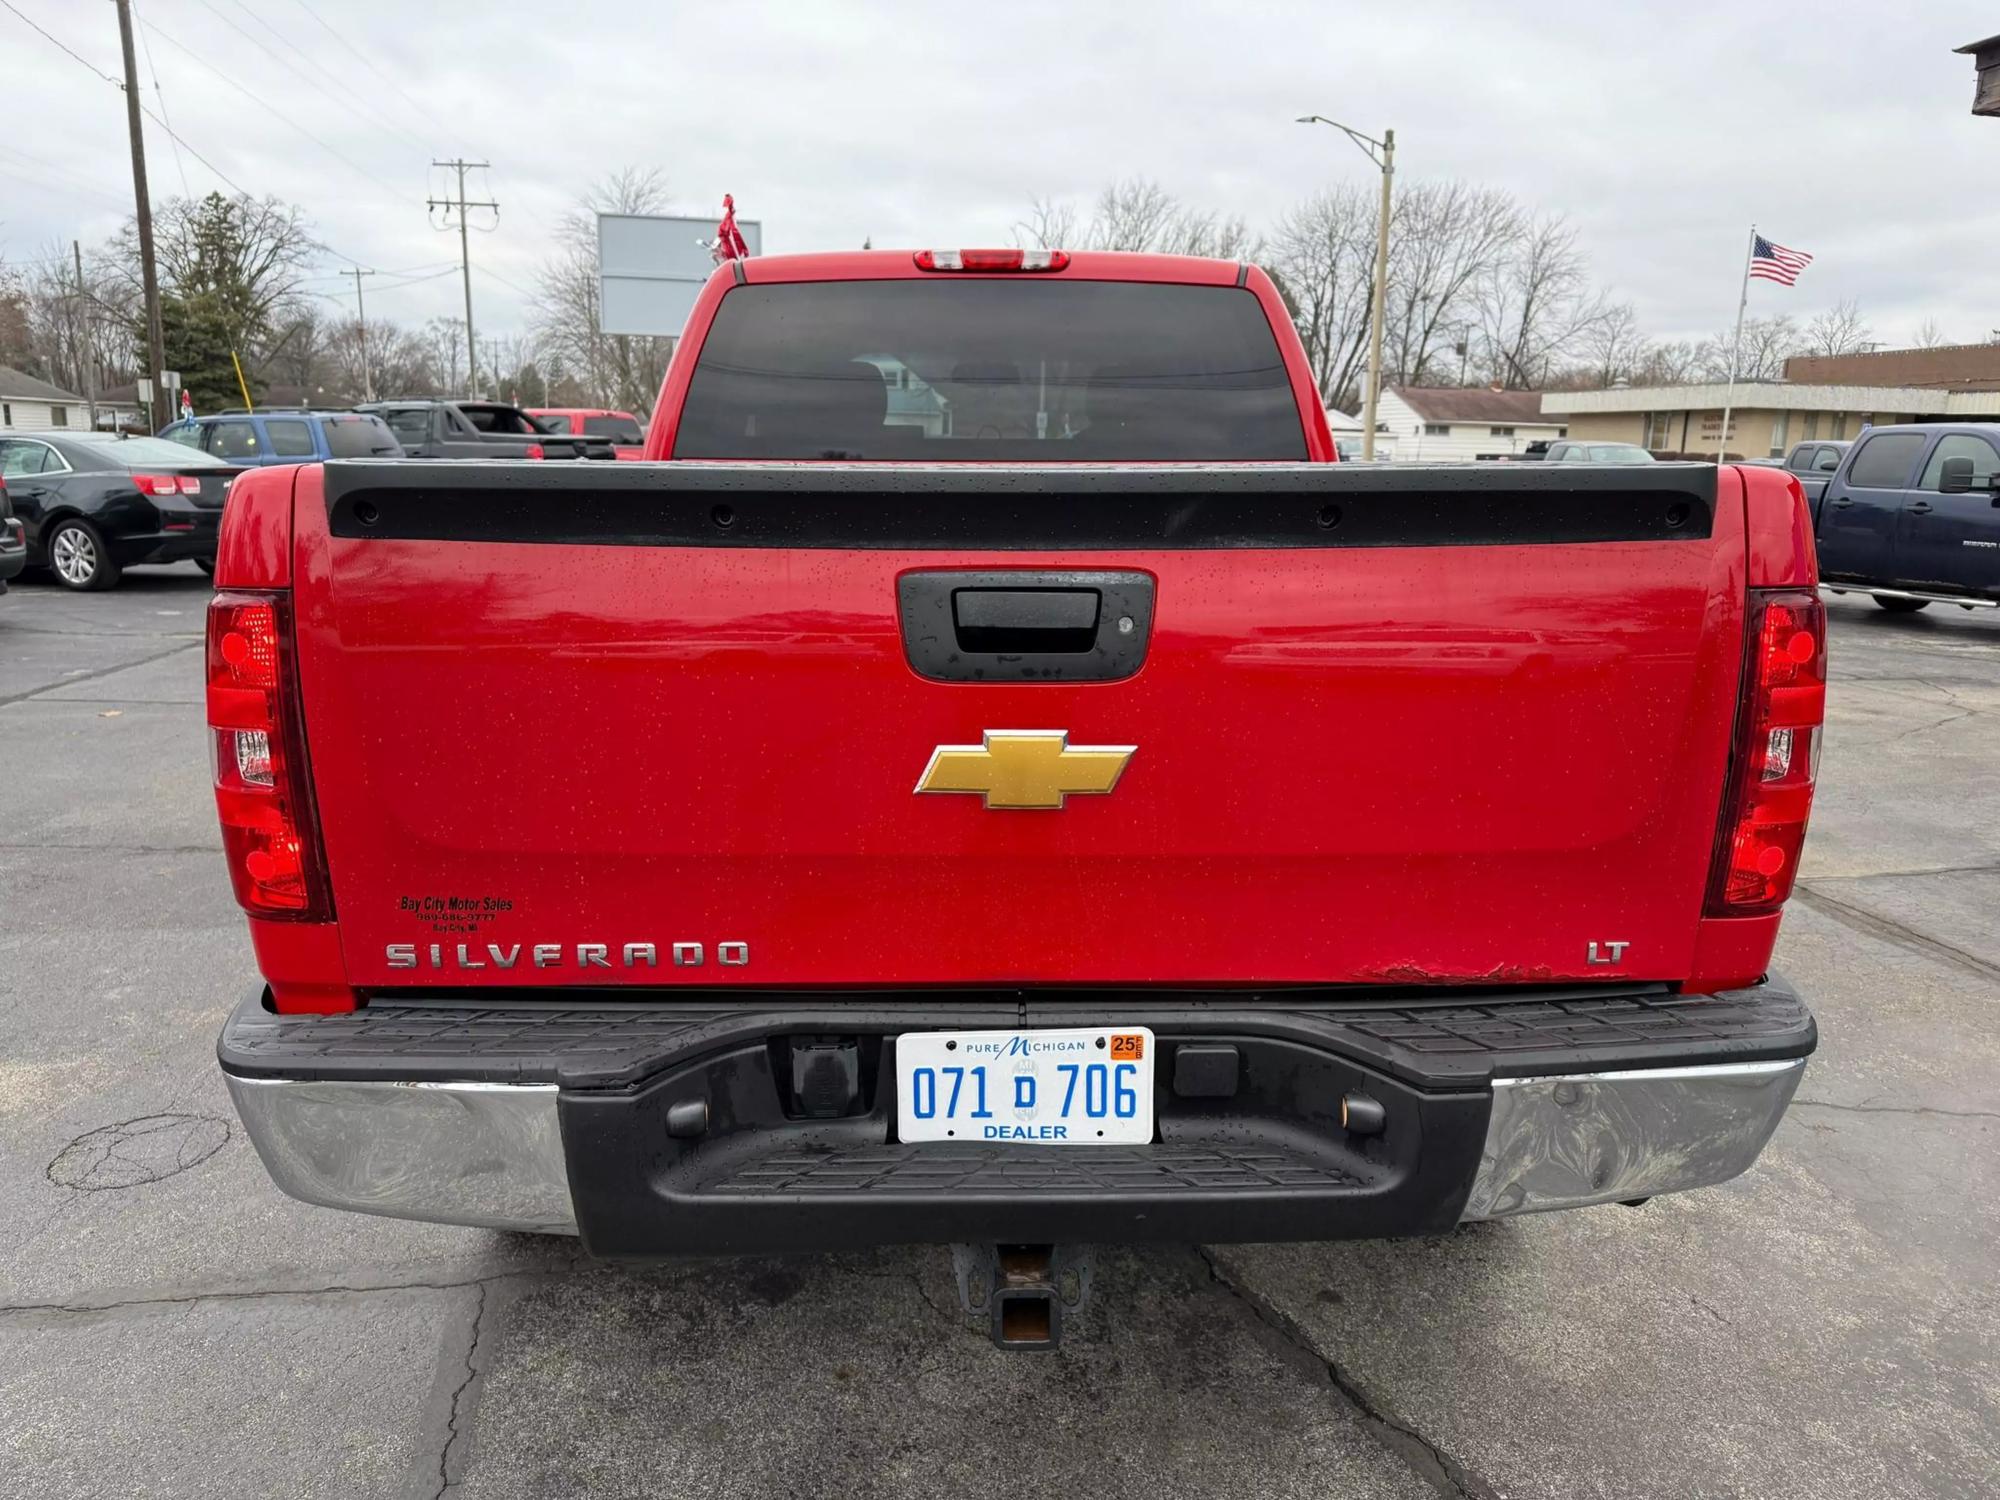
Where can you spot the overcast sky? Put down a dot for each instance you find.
(1662, 129)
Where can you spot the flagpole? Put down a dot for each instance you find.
(1736, 347)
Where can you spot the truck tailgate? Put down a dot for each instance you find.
(569, 726)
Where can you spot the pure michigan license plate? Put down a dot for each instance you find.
(1083, 1086)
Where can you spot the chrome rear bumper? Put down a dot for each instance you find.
(491, 1154)
(1578, 1139)
(486, 1154)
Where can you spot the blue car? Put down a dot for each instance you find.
(286, 436)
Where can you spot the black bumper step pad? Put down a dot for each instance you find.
(1446, 1040)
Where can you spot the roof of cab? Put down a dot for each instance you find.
(900, 265)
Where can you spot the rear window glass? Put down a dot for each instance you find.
(289, 438)
(618, 429)
(145, 452)
(1884, 463)
(232, 440)
(360, 437)
(1021, 369)
(503, 419)
(411, 424)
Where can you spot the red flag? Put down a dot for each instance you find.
(728, 238)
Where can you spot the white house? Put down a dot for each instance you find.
(1347, 435)
(32, 405)
(1444, 424)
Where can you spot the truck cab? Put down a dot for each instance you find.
(1896, 523)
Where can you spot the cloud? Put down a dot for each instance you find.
(1662, 130)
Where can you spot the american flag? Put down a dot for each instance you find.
(1775, 262)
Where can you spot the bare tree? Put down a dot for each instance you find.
(1612, 345)
(1050, 224)
(1839, 330)
(1323, 257)
(1766, 344)
(1534, 304)
(1444, 239)
(607, 369)
(248, 255)
(1134, 214)
(71, 331)
(1929, 335)
(1675, 363)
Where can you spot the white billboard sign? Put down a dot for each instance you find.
(650, 266)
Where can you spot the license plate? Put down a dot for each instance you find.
(1083, 1086)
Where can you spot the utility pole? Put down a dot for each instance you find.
(149, 276)
(462, 166)
(85, 346)
(361, 316)
(1383, 154)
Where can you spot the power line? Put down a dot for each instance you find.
(78, 56)
(311, 79)
(461, 166)
(183, 144)
(332, 151)
(161, 94)
(369, 63)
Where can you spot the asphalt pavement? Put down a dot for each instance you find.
(170, 1325)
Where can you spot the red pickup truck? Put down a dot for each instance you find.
(997, 782)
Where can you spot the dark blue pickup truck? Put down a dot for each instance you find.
(1912, 516)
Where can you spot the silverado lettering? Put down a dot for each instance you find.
(1321, 967)
(559, 955)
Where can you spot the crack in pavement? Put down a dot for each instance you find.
(91, 676)
(1979, 869)
(215, 848)
(451, 1432)
(251, 1294)
(1897, 1109)
(1430, 1462)
(1870, 924)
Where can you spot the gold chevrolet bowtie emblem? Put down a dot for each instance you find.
(1025, 768)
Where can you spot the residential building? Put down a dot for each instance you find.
(32, 405)
(1448, 424)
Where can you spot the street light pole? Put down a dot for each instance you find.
(1383, 154)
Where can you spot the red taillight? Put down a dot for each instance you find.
(534, 451)
(1776, 754)
(992, 260)
(270, 833)
(167, 484)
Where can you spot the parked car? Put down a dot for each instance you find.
(94, 504)
(703, 777)
(1912, 517)
(13, 540)
(478, 429)
(625, 432)
(283, 435)
(1812, 464)
(1577, 451)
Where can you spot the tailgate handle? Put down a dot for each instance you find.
(1025, 624)
(1010, 620)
